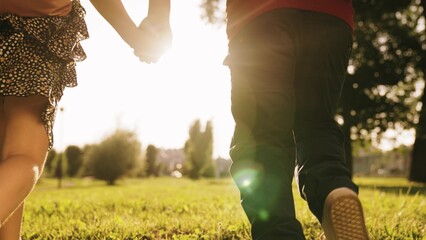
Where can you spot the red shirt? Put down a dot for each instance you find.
(36, 8)
(240, 12)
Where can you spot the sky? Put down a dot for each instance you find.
(158, 101)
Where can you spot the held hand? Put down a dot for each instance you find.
(153, 40)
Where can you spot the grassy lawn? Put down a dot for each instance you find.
(169, 208)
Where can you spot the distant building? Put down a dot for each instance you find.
(172, 160)
(390, 163)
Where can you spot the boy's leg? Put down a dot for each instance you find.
(320, 75)
(261, 61)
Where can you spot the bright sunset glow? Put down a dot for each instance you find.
(159, 101)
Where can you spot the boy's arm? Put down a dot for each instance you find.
(159, 11)
(116, 15)
(156, 27)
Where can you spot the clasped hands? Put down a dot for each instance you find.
(151, 40)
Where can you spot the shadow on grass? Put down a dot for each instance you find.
(407, 190)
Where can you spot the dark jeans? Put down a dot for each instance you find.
(287, 68)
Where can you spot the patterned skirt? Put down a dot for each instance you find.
(38, 55)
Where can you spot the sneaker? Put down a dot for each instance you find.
(343, 218)
(322, 236)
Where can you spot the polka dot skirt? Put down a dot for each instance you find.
(38, 55)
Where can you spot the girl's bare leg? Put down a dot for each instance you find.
(24, 149)
(12, 228)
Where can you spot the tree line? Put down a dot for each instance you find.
(121, 155)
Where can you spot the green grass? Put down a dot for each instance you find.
(168, 208)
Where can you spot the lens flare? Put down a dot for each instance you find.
(247, 179)
(263, 215)
(246, 182)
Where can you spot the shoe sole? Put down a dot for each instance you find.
(343, 217)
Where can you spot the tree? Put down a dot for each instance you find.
(378, 93)
(392, 27)
(418, 161)
(86, 165)
(199, 151)
(418, 157)
(114, 157)
(59, 167)
(74, 156)
(212, 11)
(50, 159)
(151, 161)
